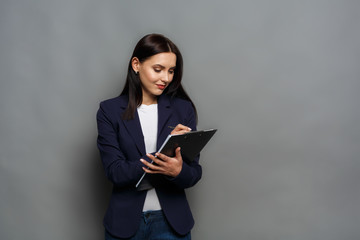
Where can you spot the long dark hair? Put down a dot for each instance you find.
(147, 47)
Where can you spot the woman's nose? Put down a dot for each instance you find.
(166, 77)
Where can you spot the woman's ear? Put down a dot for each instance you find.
(135, 64)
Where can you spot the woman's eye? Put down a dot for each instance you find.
(171, 71)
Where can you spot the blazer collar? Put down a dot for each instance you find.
(134, 129)
(164, 113)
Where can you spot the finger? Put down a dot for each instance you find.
(163, 157)
(151, 171)
(146, 163)
(182, 131)
(158, 161)
(181, 127)
(155, 159)
(152, 157)
(178, 153)
(147, 170)
(150, 165)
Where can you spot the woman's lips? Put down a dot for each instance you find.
(161, 87)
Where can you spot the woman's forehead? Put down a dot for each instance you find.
(166, 59)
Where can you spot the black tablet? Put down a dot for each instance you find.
(191, 144)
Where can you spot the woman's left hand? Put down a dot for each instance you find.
(170, 166)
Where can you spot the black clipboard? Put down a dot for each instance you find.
(191, 144)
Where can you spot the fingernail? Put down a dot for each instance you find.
(141, 160)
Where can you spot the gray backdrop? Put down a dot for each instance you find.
(279, 79)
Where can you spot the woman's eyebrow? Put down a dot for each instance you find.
(161, 66)
(158, 65)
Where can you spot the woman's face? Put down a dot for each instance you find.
(156, 73)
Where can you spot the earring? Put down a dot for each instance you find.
(136, 72)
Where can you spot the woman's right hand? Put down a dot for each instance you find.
(180, 129)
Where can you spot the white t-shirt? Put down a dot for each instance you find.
(148, 115)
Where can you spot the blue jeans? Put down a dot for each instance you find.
(153, 226)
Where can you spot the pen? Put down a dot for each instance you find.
(174, 128)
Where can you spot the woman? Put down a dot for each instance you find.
(152, 105)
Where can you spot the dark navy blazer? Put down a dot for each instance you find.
(121, 145)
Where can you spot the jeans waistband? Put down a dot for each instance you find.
(150, 214)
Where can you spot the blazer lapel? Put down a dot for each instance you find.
(134, 128)
(164, 113)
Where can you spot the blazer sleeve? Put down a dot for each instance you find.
(191, 172)
(119, 170)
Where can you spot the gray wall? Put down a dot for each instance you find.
(279, 79)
